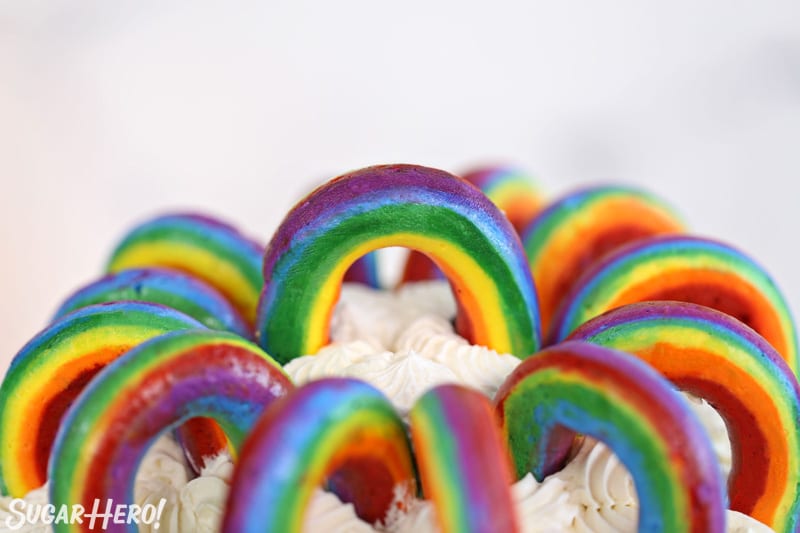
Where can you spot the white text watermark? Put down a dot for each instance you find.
(102, 514)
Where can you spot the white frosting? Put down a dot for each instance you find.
(593, 493)
(430, 297)
(35, 497)
(378, 317)
(192, 504)
(402, 343)
(326, 512)
(475, 366)
(197, 504)
(741, 523)
(602, 490)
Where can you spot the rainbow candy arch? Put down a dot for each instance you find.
(618, 399)
(171, 288)
(152, 388)
(688, 269)
(463, 462)
(573, 232)
(515, 192)
(397, 205)
(716, 357)
(50, 371)
(337, 427)
(201, 246)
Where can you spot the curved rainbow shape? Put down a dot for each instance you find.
(616, 398)
(397, 205)
(716, 357)
(687, 269)
(515, 193)
(573, 232)
(338, 427)
(201, 246)
(162, 286)
(50, 371)
(463, 461)
(152, 388)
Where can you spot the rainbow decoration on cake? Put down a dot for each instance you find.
(576, 387)
(463, 461)
(573, 232)
(162, 286)
(716, 357)
(51, 370)
(149, 390)
(688, 269)
(337, 427)
(397, 205)
(515, 192)
(199, 245)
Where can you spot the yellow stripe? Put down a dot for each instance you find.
(222, 274)
(488, 319)
(41, 381)
(504, 192)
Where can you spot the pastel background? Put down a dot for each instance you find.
(113, 111)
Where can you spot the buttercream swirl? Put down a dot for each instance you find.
(475, 366)
(593, 493)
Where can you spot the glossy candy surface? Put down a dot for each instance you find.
(719, 359)
(463, 462)
(208, 249)
(576, 230)
(397, 205)
(335, 429)
(167, 287)
(149, 390)
(51, 370)
(687, 269)
(576, 387)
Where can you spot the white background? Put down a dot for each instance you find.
(113, 111)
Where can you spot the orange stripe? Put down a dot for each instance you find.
(33, 423)
(725, 291)
(572, 249)
(678, 363)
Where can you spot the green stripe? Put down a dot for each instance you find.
(152, 295)
(286, 325)
(542, 400)
(199, 237)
